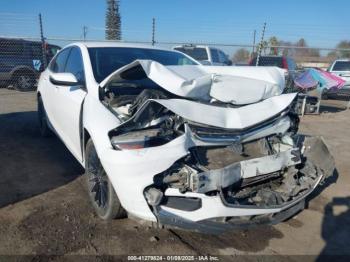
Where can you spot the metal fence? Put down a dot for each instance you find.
(22, 58)
(22, 61)
(25, 50)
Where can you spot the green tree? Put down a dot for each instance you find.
(241, 55)
(286, 51)
(314, 53)
(113, 21)
(262, 47)
(333, 55)
(304, 50)
(344, 45)
(273, 41)
(301, 42)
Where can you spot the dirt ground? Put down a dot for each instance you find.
(44, 209)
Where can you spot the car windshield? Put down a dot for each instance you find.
(105, 60)
(269, 61)
(197, 53)
(341, 66)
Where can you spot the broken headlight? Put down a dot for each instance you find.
(138, 139)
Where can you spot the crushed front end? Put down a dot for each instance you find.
(228, 178)
(209, 165)
(263, 182)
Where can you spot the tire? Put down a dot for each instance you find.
(45, 130)
(324, 95)
(24, 81)
(101, 192)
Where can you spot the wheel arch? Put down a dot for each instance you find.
(85, 139)
(18, 70)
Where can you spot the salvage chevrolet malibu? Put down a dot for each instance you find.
(167, 140)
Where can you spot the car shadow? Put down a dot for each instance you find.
(332, 179)
(30, 164)
(331, 109)
(336, 230)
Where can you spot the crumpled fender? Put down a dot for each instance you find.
(317, 152)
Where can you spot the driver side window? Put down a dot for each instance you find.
(75, 65)
(58, 65)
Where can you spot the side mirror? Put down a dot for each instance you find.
(63, 79)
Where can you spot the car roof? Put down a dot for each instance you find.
(116, 44)
(273, 56)
(191, 45)
(18, 40)
(342, 60)
(103, 44)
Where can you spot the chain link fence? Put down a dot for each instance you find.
(22, 59)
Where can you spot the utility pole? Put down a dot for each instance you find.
(254, 35)
(43, 44)
(84, 32)
(153, 30)
(260, 46)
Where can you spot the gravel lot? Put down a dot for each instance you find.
(44, 208)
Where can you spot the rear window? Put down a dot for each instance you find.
(197, 53)
(341, 66)
(269, 61)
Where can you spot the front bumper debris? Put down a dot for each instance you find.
(270, 202)
(212, 226)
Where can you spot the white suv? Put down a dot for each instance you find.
(341, 68)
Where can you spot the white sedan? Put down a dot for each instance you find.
(167, 140)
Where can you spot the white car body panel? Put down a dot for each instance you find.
(235, 85)
(258, 89)
(232, 118)
(133, 167)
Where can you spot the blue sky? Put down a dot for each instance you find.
(322, 23)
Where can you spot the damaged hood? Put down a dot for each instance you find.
(228, 84)
(223, 117)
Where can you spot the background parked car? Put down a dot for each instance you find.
(283, 62)
(204, 54)
(341, 68)
(21, 62)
